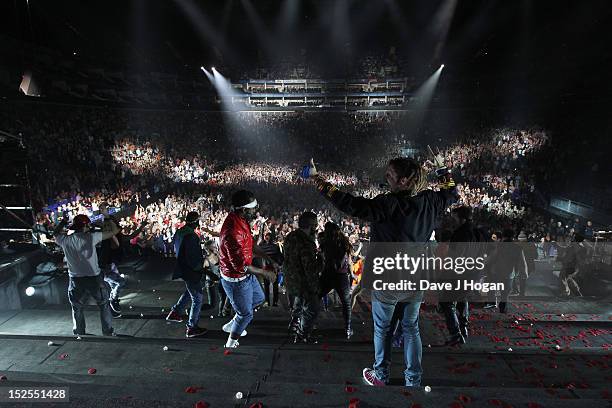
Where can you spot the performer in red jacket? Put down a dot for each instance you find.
(235, 260)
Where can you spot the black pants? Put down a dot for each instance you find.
(341, 283)
(266, 288)
(457, 315)
(78, 291)
(216, 295)
(503, 301)
(305, 311)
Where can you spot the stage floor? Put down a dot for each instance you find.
(133, 370)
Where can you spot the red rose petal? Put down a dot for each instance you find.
(92, 371)
(257, 405)
(201, 404)
(227, 352)
(354, 403)
(495, 402)
(350, 389)
(466, 399)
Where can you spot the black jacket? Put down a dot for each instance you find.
(189, 259)
(397, 217)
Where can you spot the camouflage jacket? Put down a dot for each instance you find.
(302, 265)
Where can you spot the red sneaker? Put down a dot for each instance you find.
(175, 317)
(369, 376)
(195, 331)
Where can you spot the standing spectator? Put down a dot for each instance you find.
(302, 268)
(237, 272)
(457, 313)
(407, 214)
(189, 268)
(271, 248)
(508, 259)
(531, 253)
(84, 271)
(336, 250)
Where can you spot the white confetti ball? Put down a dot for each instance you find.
(429, 346)
(509, 348)
(238, 395)
(212, 317)
(531, 324)
(562, 315)
(427, 388)
(165, 348)
(78, 337)
(558, 347)
(141, 315)
(159, 298)
(131, 307)
(153, 290)
(50, 344)
(516, 322)
(163, 310)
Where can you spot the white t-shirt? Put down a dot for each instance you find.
(80, 251)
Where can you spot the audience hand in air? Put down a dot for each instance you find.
(437, 159)
(313, 169)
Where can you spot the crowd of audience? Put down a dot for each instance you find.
(193, 159)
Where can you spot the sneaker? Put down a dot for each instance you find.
(489, 306)
(455, 340)
(115, 314)
(115, 306)
(195, 331)
(227, 327)
(308, 339)
(231, 343)
(175, 317)
(369, 376)
(349, 333)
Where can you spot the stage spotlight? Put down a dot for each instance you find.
(213, 68)
(442, 66)
(30, 291)
(202, 68)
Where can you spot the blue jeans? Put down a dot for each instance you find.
(195, 293)
(383, 334)
(244, 296)
(78, 290)
(114, 280)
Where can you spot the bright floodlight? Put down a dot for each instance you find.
(30, 291)
(442, 66)
(213, 68)
(202, 68)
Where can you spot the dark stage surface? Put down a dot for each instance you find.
(134, 370)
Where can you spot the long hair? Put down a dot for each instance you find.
(334, 244)
(412, 170)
